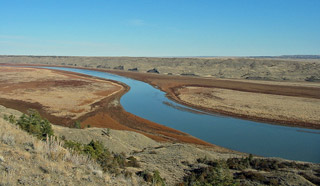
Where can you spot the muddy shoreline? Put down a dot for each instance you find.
(171, 92)
(108, 115)
(170, 86)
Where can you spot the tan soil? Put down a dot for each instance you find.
(61, 95)
(222, 67)
(300, 90)
(25, 160)
(50, 165)
(257, 105)
(64, 97)
(266, 96)
(172, 160)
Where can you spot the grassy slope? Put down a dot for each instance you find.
(26, 160)
(29, 161)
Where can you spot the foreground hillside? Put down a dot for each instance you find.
(26, 160)
(225, 67)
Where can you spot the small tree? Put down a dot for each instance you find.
(35, 125)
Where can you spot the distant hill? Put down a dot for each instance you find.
(290, 57)
(276, 68)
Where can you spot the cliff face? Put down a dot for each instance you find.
(279, 69)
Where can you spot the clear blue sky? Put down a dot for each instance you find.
(159, 27)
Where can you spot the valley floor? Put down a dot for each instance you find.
(280, 103)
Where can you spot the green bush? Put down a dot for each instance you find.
(78, 147)
(216, 174)
(34, 124)
(254, 176)
(10, 119)
(154, 178)
(77, 125)
(108, 162)
(5, 117)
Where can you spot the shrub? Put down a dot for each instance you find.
(133, 162)
(217, 175)
(77, 125)
(34, 124)
(78, 147)
(120, 159)
(156, 179)
(10, 119)
(98, 152)
(94, 149)
(254, 176)
(264, 164)
(238, 163)
(145, 175)
(5, 117)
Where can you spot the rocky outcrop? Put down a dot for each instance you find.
(188, 74)
(154, 70)
(120, 67)
(133, 69)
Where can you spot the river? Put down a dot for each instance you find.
(241, 135)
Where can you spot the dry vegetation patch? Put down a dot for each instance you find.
(26, 160)
(60, 94)
(258, 105)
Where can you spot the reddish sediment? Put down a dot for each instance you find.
(105, 114)
(170, 85)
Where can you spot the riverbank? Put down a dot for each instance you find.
(258, 108)
(52, 92)
(269, 101)
(175, 162)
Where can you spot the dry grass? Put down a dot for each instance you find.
(26, 160)
(57, 92)
(222, 67)
(254, 104)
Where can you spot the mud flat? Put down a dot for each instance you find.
(59, 95)
(283, 103)
(287, 103)
(65, 97)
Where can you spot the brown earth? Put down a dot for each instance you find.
(41, 89)
(256, 105)
(303, 92)
(278, 69)
(26, 160)
(58, 94)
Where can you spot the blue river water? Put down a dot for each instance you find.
(241, 135)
